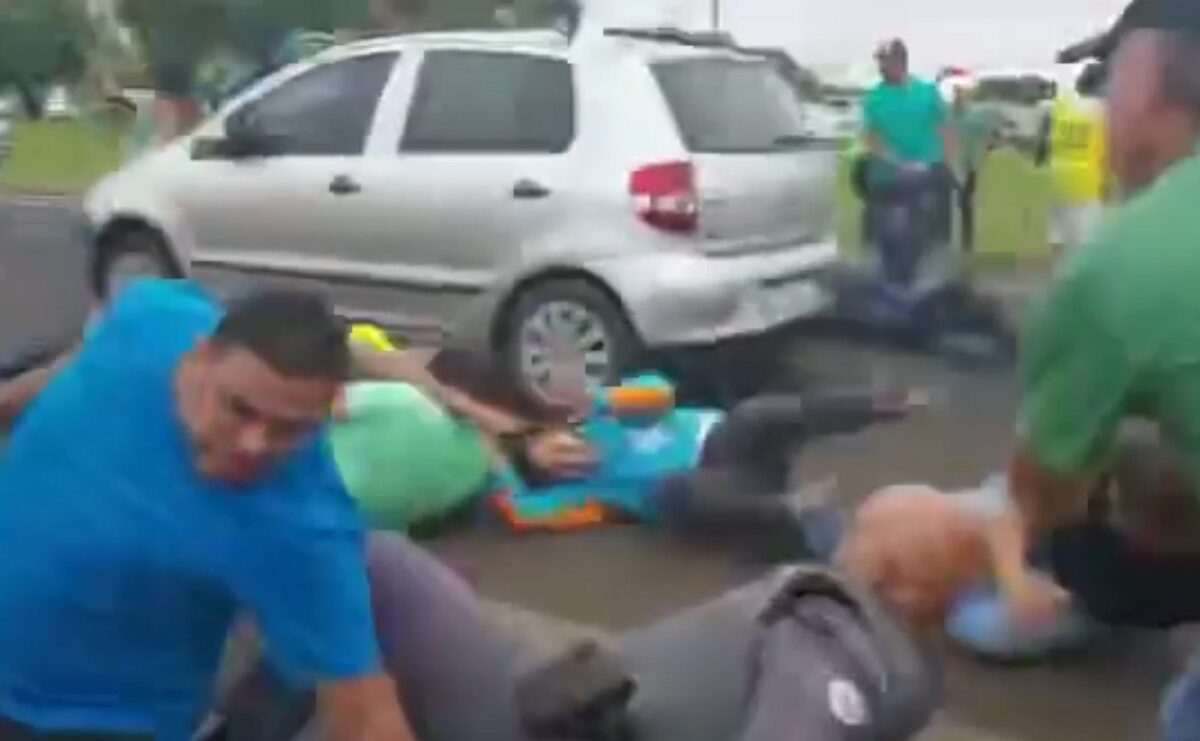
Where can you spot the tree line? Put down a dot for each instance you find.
(49, 42)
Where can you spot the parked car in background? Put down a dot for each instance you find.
(628, 192)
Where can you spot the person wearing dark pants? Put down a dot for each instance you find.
(908, 209)
(910, 144)
(975, 130)
(739, 490)
(966, 207)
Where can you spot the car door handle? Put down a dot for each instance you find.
(344, 185)
(529, 190)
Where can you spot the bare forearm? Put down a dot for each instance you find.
(394, 365)
(402, 366)
(1008, 545)
(1044, 500)
(876, 147)
(948, 145)
(18, 393)
(366, 709)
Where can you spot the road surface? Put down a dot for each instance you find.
(622, 577)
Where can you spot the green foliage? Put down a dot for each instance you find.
(41, 42)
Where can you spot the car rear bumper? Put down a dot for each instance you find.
(680, 298)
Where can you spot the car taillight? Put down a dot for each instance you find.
(664, 196)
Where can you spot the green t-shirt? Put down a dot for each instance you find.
(1118, 334)
(907, 118)
(404, 458)
(974, 128)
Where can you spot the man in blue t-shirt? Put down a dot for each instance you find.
(172, 473)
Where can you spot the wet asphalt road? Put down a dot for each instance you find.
(623, 577)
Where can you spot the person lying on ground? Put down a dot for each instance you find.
(696, 471)
(170, 474)
(779, 653)
(1129, 564)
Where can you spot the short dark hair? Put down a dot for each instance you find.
(295, 332)
(893, 48)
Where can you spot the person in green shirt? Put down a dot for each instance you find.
(905, 115)
(909, 145)
(1117, 339)
(407, 460)
(975, 132)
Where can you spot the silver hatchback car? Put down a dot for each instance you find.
(620, 192)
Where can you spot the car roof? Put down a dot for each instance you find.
(538, 41)
(541, 41)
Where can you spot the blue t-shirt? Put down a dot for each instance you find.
(633, 456)
(122, 568)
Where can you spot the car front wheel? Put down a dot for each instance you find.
(132, 253)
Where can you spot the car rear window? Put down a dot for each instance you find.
(725, 105)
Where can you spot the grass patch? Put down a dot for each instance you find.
(60, 156)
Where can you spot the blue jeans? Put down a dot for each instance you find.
(1180, 711)
(906, 213)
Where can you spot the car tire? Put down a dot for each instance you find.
(132, 252)
(573, 306)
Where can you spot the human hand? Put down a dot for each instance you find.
(897, 403)
(363, 709)
(1034, 598)
(559, 453)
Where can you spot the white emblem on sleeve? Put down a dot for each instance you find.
(847, 703)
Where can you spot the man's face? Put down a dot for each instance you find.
(241, 415)
(893, 67)
(1135, 109)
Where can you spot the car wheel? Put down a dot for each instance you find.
(573, 318)
(127, 255)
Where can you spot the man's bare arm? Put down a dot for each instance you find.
(17, 393)
(946, 131)
(876, 147)
(1045, 500)
(398, 365)
(364, 709)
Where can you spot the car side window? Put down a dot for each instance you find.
(326, 111)
(479, 102)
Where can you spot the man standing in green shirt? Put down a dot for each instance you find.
(909, 144)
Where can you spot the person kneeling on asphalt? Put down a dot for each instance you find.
(1128, 564)
(169, 474)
